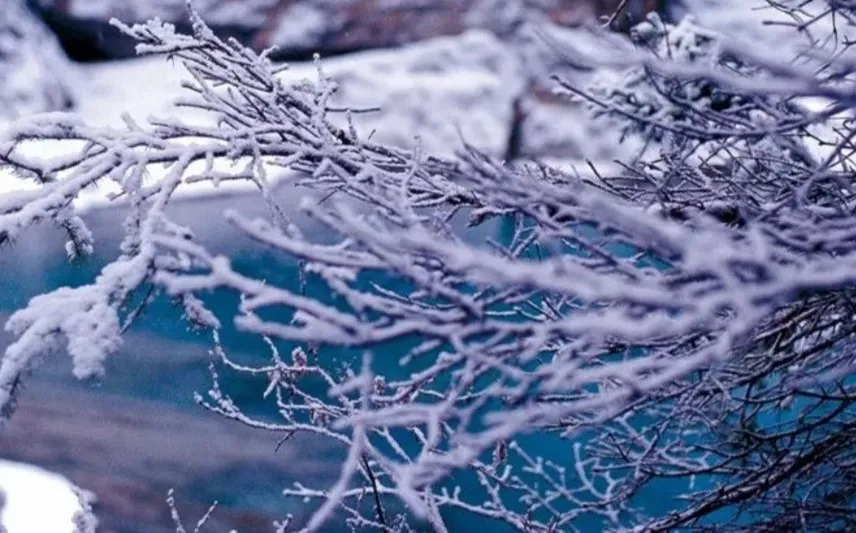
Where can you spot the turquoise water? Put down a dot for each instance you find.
(164, 361)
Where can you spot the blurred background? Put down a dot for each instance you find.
(440, 69)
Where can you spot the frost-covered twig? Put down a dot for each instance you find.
(685, 317)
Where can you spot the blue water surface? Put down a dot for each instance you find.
(164, 361)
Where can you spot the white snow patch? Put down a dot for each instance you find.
(430, 89)
(445, 91)
(766, 28)
(36, 501)
(300, 26)
(144, 87)
(33, 67)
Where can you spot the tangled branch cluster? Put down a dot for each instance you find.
(684, 318)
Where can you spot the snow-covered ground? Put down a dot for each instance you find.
(33, 500)
(444, 91)
(430, 89)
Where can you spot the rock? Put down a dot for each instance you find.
(33, 66)
(301, 27)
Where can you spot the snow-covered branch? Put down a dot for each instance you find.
(656, 316)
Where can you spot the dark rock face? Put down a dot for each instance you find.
(298, 27)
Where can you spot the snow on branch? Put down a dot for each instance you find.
(658, 306)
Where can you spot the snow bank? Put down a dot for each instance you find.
(766, 28)
(445, 91)
(35, 500)
(431, 89)
(771, 31)
(33, 67)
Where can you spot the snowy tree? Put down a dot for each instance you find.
(682, 322)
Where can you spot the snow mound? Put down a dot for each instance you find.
(33, 67)
(33, 500)
(767, 28)
(445, 91)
